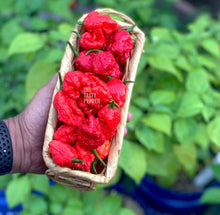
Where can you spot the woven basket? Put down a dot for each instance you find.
(80, 179)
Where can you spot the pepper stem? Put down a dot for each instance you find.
(109, 77)
(74, 160)
(93, 50)
(113, 103)
(60, 79)
(77, 33)
(73, 49)
(131, 28)
(96, 154)
(80, 22)
(93, 166)
(126, 82)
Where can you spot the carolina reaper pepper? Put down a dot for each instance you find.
(96, 20)
(92, 40)
(118, 91)
(109, 117)
(104, 64)
(67, 109)
(120, 45)
(66, 134)
(62, 154)
(103, 150)
(90, 134)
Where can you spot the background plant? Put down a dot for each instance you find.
(175, 104)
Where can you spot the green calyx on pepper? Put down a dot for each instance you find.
(96, 154)
(131, 28)
(76, 53)
(74, 160)
(93, 50)
(113, 104)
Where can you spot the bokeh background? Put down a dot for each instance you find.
(174, 137)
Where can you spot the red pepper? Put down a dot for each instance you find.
(96, 20)
(109, 117)
(66, 134)
(103, 150)
(67, 109)
(62, 154)
(90, 134)
(87, 156)
(104, 64)
(118, 91)
(83, 62)
(120, 45)
(92, 40)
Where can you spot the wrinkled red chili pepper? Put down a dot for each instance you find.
(120, 45)
(92, 40)
(109, 117)
(104, 64)
(67, 109)
(96, 20)
(66, 134)
(62, 153)
(87, 156)
(103, 150)
(90, 134)
(118, 91)
(83, 62)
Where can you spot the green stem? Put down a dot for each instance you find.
(126, 82)
(61, 82)
(93, 166)
(96, 154)
(131, 28)
(73, 49)
(80, 22)
(109, 77)
(77, 33)
(74, 160)
(93, 50)
(113, 103)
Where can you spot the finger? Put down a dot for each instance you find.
(129, 117)
(126, 131)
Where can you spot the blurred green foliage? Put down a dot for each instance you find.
(175, 103)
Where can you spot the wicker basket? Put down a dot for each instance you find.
(80, 179)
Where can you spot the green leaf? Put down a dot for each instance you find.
(142, 64)
(136, 115)
(216, 170)
(133, 160)
(3, 54)
(211, 196)
(207, 61)
(39, 74)
(26, 42)
(214, 130)
(190, 105)
(126, 211)
(200, 24)
(162, 97)
(197, 81)
(142, 102)
(71, 210)
(207, 112)
(158, 121)
(111, 204)
(54, 55)
(4, 179)
(185, 130)
(211, 46)
(183, 63)
(18, 190)
(40, 183)
(160, 33)
(186, 156)
(152, 140)
(165, 64)
(55, 208)
(201, 136)
(66, 30)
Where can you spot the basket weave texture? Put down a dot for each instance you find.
(80, 179)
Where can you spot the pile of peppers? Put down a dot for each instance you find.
(91, 97)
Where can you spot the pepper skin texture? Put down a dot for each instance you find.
(66, 134)
(109, 119)
(103, 150)
(67, 109)
(120, 45)
(90, 134)
(118, 91)
(87, 156)
(96, 20)
(104, 64)
(83, 62)
(92, 40)
(62, 153)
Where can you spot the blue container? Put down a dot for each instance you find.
(157, 200)
(4, 209)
